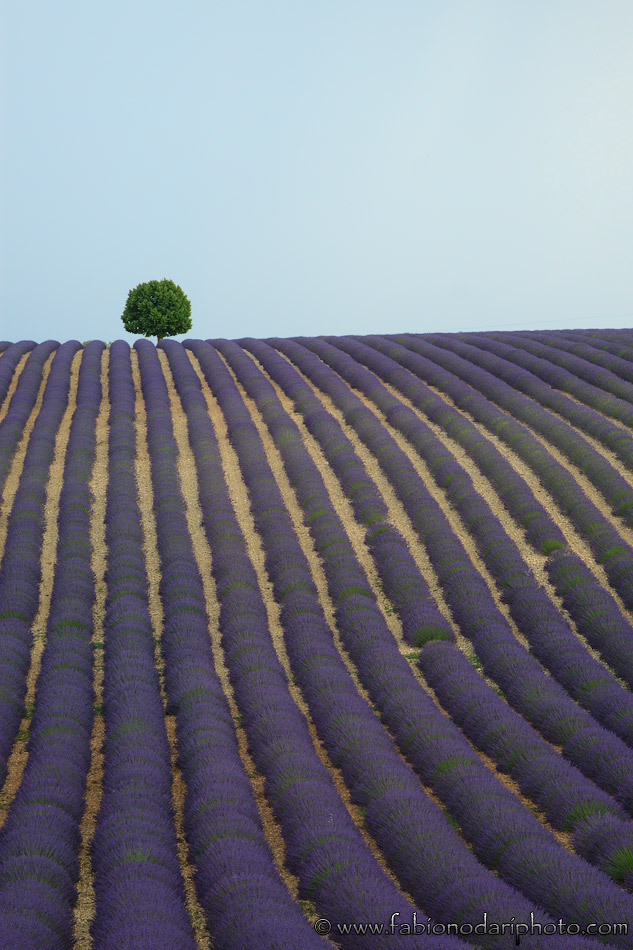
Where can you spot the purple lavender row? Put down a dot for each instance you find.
(22, 402)
(540, 380)
(573, 370)
(601, 840)
(592, 608)
(550, 636)
(402, 582)
(324, 848)
(608, 546)
(624, 338)
(39, 866)
(4, 345)
(606, 356)
(599, 619)
(400, 712)
(585, 348)
(246, 904)
(621, 355)
(565, 796)
(21, 569)
(538, 697)
(572, 789)
(437, 750)
(622, 350)
(594, 611)
(139, 892)
(614, 488)
(394, 804)
(380, 663)
(541, 531)
(11, 356)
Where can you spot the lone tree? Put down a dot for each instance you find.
(157, 308)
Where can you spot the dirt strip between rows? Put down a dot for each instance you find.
(398, 517)
(356, 534)
(152, 566)
(18, 757)
(240, 501)
(12, 483)
(573, 538)
(611, 457)
(85, 907)
(534, 560)
(13, 385)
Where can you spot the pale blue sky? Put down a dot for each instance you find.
(346, 166)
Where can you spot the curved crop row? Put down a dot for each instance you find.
(611, 485)
(620, 337)
(402, 582)
(603, 842)
(333, 864)
(594, 611)
(598, 382)
(623, 352)
(560, 790)
(21, 568)
(528, 512)
(586, 348)
(39, 840)
(340, 455)
(11, 356)
(395, 806)
(591, 607)
(594, 750)
(535, 363)
(245, 902)
(138, 886)
(551, 639)
(607, 544)
(540, 380)
(444, 758)
(22, 402)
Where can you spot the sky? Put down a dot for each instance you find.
(346, 166)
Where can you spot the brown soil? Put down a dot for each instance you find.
(573, 539)
(152, 565)
(533, 559)
(240, 500)
(398, 517)
(4, 406)
(585, 484)
(17, 759)
(17, 464)
(356, 534)
(610, 456)
(85, 906)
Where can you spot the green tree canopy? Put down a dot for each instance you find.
(157, 308)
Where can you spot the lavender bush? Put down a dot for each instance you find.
(39, 840)
(380, 667)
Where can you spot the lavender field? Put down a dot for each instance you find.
(317, 642)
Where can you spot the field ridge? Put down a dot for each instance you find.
(362, 645)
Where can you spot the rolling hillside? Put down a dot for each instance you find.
(317, 642)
